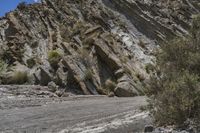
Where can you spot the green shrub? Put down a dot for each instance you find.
(174, 90)
(46, 12)
(176, 100)
(22, 5)
(31, 62)
(102, 91)
(110, 85)
(124, 59)
(128, 71)
(149, 68)
(142, 44)
(18, 77)
(88, 75)
(140, 77)
(54, 58)
(3, 67)
(85, 58)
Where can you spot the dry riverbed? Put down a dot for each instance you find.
(32, 113)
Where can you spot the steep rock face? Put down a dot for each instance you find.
(158, 19)
(89, 47)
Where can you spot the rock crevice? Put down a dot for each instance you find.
(81, 45)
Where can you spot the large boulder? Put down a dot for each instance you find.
(61, 77)
(125, 89)
(43, 76)
(52, 86)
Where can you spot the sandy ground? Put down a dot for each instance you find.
(28, 113)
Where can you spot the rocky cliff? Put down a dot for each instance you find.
(89, 46)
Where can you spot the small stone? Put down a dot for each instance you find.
(184, 131)
(111, 94)
(52, 86)
(65, 94)
(148, 129)
(59, 93)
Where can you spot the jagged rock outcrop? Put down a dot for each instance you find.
(79, 45)
(158, 19)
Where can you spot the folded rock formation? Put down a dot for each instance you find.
(89, 46)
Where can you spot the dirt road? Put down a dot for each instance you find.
(83, 114)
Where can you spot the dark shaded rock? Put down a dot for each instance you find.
(61, 77)
(148, 129)
(52, 86)
(59, 93)
(45, 76)
(65, 94)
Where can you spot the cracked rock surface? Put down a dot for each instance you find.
(96, 42)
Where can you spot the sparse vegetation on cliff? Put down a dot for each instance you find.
(19, 77)
(3, 68)
(88, 42)
(54, 57)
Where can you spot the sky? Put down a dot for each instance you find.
(9, 5)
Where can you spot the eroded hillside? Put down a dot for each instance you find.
(88, 46)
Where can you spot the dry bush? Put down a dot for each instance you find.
(110, 85)
(174, 90)
(18, 77)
